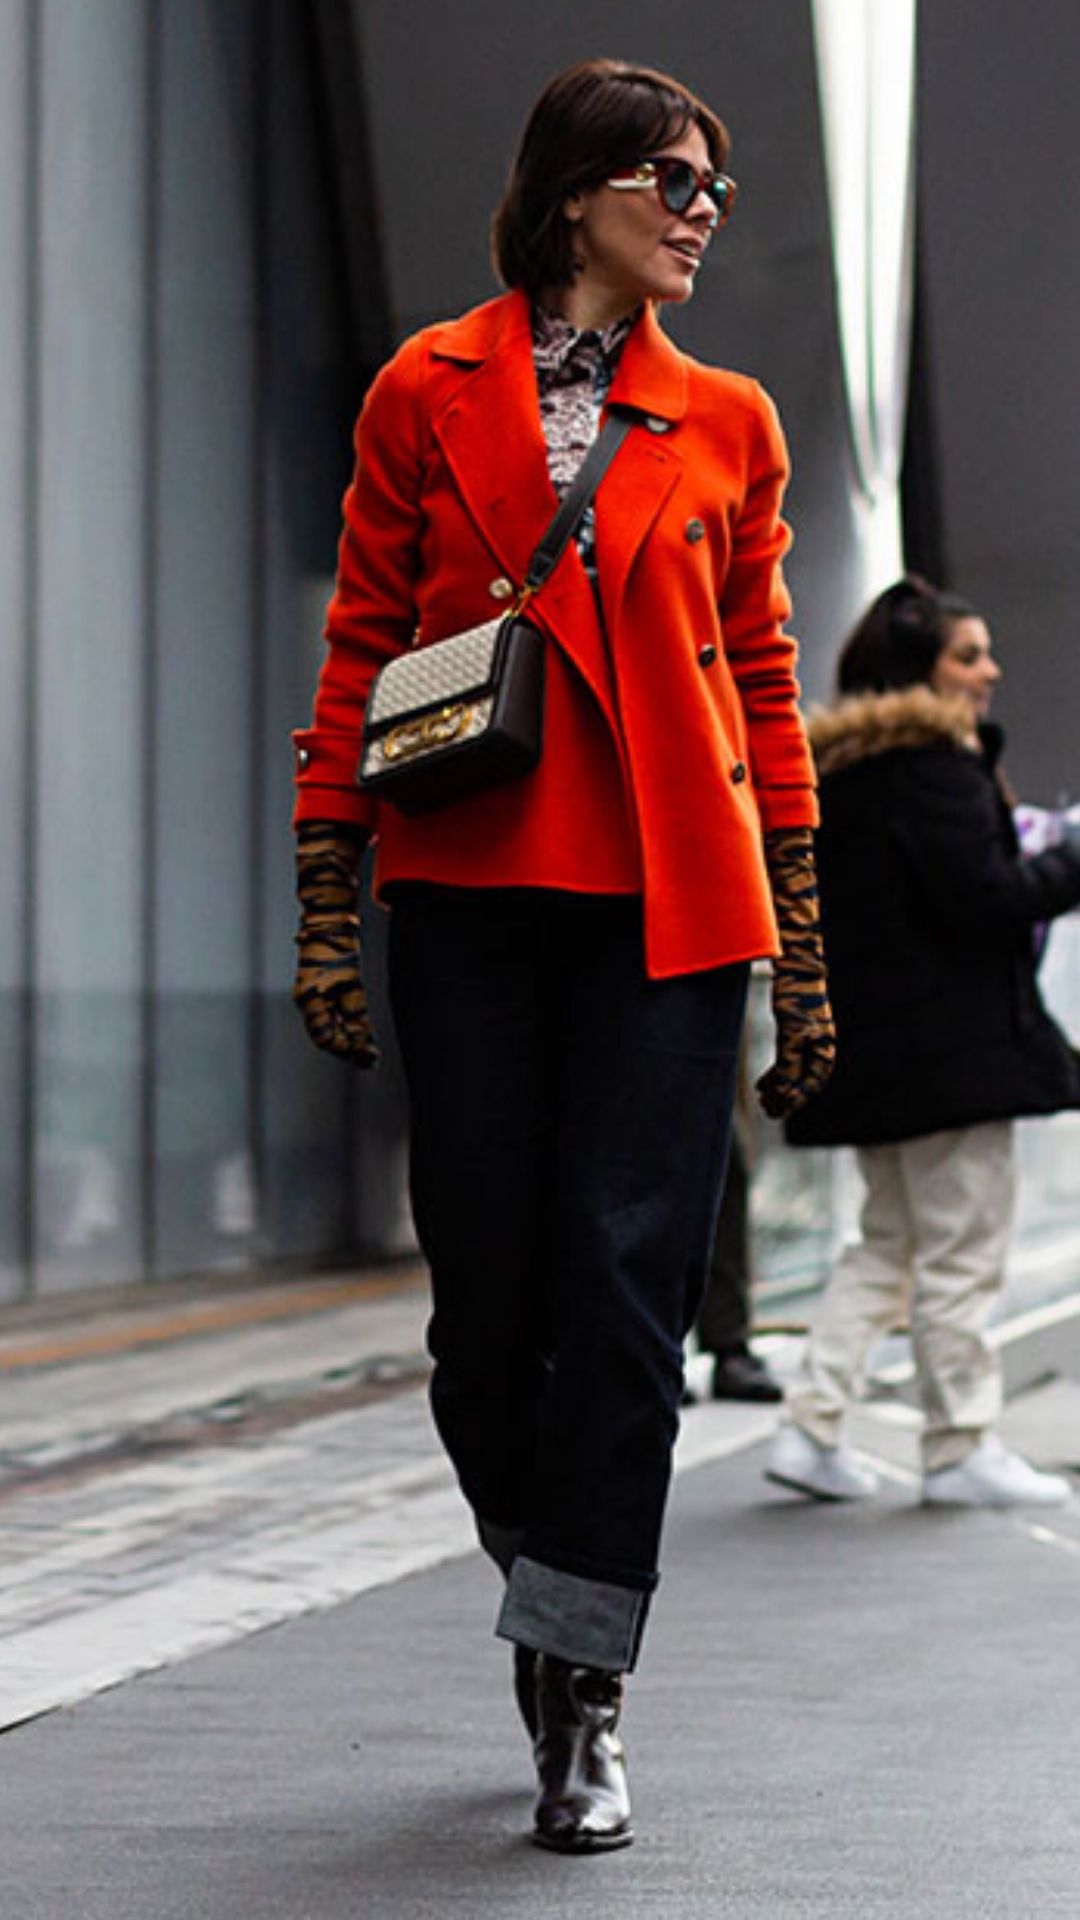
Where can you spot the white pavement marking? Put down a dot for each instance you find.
(149, 1564)
(1046, 1537)
(68, 1659)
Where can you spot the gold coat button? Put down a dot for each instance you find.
(303, 757)
(694, 531)
(655, 424)
(501, 588)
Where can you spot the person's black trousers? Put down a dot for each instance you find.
(724, 1317)
(569, 1130)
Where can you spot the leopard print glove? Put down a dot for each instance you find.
(328, 988)
(805, 1035)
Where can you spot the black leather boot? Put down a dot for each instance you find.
(739, 1374)
(525, 1687)
(584, 1804)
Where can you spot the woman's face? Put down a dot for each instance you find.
(631, 248)
(966, 665)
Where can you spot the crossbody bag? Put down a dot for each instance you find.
(448, 719)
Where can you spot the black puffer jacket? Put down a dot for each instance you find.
(929, 909)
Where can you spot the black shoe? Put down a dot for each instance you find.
(584, 1804)
(739, 1375)
(525, 1687)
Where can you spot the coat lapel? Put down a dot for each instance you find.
(651, 379)
(494, 408)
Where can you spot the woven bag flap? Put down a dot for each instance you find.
(445, 670)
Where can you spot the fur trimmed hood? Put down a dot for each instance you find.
(865, 724)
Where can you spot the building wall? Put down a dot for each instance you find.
(175, 397)
(999, 223)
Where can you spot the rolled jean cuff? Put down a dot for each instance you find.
(586, 1622)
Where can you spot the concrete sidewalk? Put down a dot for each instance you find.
(80, 1380)
(841, 1712)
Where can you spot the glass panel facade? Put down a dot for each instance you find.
(88, 637)
(206, 435)
(177, 389)
(304, 1103)
(16, 376)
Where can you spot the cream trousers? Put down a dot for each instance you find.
(934, 1231)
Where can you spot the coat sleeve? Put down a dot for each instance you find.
(946, 821)
(753, 608)
(372, 613)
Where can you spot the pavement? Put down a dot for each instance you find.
(246, 1663)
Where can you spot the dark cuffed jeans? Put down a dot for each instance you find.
(570, 1122)
(725, 1314)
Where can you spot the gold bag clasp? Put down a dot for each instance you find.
(436, 729)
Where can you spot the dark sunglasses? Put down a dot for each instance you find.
(678, 184)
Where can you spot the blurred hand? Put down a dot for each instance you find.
(329, 988)
(805, 1034)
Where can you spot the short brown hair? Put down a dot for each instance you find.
(590, 119)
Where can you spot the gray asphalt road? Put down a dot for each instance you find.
(840, 1712)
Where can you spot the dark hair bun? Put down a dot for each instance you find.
(899, 638)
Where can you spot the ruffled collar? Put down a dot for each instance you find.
(556, 341)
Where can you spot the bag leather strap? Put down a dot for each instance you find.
(550, 551)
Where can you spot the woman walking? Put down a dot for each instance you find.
(930, 914)
(569, 950)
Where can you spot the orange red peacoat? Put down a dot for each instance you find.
(672, 732)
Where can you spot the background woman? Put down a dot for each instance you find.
(929, 913)
(569, 952)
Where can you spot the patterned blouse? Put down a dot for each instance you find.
(574, 371)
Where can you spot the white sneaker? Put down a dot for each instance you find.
(828, 1473)
(991, 1476)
